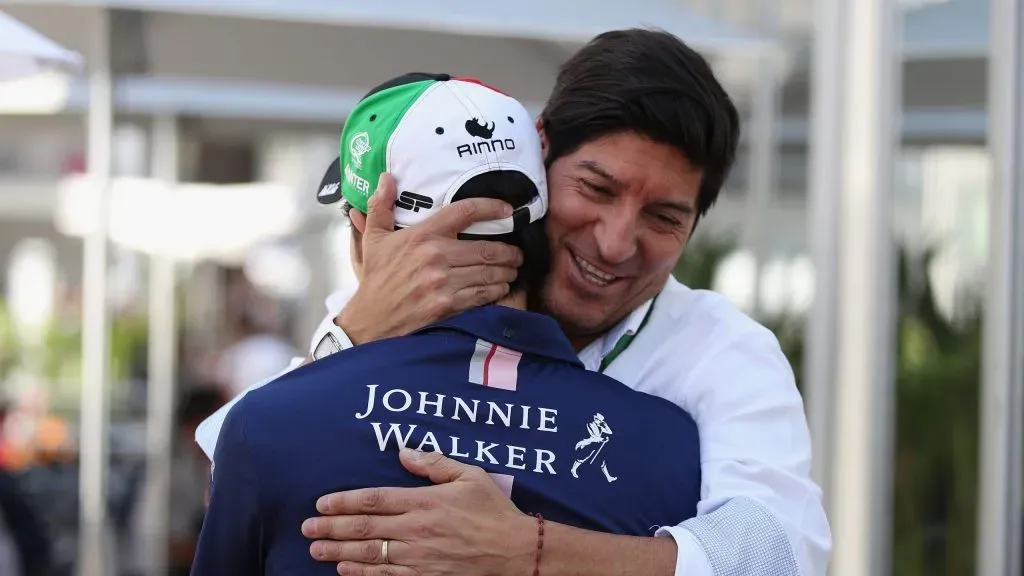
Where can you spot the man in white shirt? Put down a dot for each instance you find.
(638, 137)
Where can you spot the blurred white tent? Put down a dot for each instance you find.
(25, 52)
(950, 29)
(572, 21)
(311, 60)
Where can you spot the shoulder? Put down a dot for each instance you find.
(705, 322)
(575, 380)
(233, 438)
(702, 316)
(697, 340)
(341, 374)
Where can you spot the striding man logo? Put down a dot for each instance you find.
(589, 449)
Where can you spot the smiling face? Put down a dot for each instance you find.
(621, 211)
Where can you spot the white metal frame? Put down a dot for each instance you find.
(852, 342)
(93, 541)
(1000, 510)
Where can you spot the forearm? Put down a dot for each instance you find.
(572, 551)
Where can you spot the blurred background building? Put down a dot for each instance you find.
(226, 113)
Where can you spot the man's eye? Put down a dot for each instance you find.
(597, 188)
(665, 221)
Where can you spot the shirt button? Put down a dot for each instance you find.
(509, 332)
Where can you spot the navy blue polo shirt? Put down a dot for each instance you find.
(494, 387)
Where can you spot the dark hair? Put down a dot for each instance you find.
(516, 189)
(649, 82)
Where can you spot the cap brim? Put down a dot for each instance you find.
(329, 191)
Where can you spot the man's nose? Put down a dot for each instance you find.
(616, 235)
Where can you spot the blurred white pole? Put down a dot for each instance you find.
(863, 443)
(93, 527)
(825, 178)
(763, 146)
(160, 396)
(1000, 510)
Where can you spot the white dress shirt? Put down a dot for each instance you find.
(760, 513)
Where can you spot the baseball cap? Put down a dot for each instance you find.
(434, 134)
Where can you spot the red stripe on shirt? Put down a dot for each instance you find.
(487, 363)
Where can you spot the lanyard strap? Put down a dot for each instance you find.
(626, 339)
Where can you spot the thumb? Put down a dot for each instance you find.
(433, 465)
(380, 213)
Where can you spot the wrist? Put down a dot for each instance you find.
(357, 331)
(525, 541)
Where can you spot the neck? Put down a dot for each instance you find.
(515, 300)
(581, 342)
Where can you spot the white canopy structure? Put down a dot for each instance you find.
(563, 21)
(949, 29)
(25, 52)
(311, 60)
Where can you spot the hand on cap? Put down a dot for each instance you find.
(423, 274)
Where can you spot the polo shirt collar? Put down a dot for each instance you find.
(526, 332)
(628, 326)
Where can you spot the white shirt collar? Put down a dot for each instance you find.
(599, 349)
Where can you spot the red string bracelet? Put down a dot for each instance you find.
(540, 543)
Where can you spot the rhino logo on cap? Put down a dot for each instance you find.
(475, 128)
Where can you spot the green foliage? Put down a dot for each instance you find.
(8, 345)
(59, 360)
(700, 263)
(937, 415)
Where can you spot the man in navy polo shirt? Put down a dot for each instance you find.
(496, 386)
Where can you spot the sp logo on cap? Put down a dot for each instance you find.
(357, 147)
(412, 201)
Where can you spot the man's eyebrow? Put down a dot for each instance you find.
(685, 208)
(597, 169)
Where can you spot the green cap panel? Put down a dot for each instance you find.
(365, 138)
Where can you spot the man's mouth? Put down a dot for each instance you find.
(592, 274)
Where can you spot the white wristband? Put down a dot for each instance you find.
(330, 339)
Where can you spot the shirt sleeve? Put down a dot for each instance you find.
(230, 541)
(760, 512)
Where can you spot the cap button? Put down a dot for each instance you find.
(509, 333)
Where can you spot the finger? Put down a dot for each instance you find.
(378, 501)
(354, 527)
(476, 296)
(360, 551)
(354, 569)
(476, 252)
(380, 212)
(433, 465)
(457, 216)
(468, 276)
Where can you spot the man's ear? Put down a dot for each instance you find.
(358, 220)
(543, 137)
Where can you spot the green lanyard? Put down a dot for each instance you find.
(625, 340)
